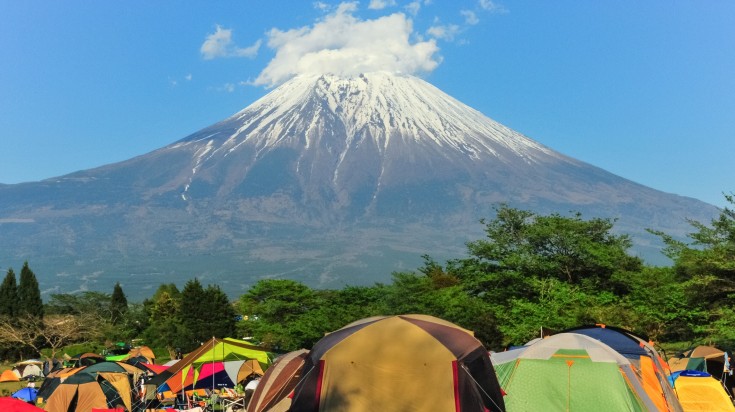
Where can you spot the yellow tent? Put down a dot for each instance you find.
(699, 391)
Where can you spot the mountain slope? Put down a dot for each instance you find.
(325, 179)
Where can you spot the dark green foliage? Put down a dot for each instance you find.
(205, 313)
(118, 304)
(8, 295)
(29, 295)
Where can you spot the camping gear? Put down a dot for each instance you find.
(700, 391)
(278, 382)
(9, 376)
(648, 363)
(570, 372)
(26, 394)
(398, 363)
(17, 405)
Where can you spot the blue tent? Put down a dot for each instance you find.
(26, 394)
(624, 342)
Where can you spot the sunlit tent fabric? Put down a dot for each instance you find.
(398, 363)
(699, 391)
(653, 370)
(9, 376)
(184, 372)
(278, 382)
(570, 372)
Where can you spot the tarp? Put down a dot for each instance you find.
(398, 363)
(699, 391)
(570, 372)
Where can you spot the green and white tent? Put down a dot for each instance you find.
(569, 372)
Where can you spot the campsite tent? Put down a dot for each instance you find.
(398, 363)
(17, 405)
(183, 373)
(8, 376)
(648, 363)
(142, 351)
(213, 375)
(699, 391)
(708, 359)
(26, 394)
(81, 392)
(85, 359)
(27, 368)
(278, 382)
(569, 372)
(702, 358)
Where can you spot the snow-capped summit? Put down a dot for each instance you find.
(326, 179)
(348, 140)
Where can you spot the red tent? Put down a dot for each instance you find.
(17, 405)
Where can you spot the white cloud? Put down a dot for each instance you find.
(491, 6)
(445, 32)
(469, 17)
(320, 5)
(344, 45)
(188, 77)
(381, 4)
(413, 7)
(220, 44)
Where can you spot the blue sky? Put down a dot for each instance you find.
(645, 90)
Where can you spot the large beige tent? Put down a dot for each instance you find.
(398, 363)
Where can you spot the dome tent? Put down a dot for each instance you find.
(570, 371)
(398, 363)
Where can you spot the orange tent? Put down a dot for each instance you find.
(8, 376)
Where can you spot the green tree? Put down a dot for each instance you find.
(219, 312)
(276, 314)
(710, 257)
(192, 314)
(118, 304)
(570, 249)
(165, 328)
(29, 295)
(706, 266)
(8, 294)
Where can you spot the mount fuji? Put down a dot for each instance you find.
(327, 180)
